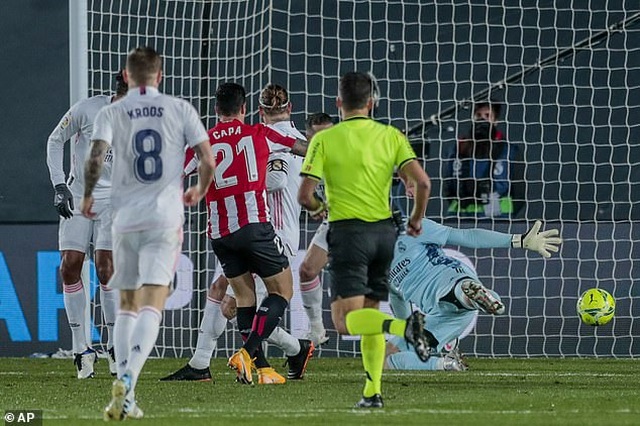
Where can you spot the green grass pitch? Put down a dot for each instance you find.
(493, 392)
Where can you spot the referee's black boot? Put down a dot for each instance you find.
(374, 401)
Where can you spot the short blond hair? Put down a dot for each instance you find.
(143, 63)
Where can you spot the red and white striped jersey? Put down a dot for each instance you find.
(283, 182)
(238, 195)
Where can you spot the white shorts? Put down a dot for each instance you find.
(320, 237)
(145, 257)
(76, 233)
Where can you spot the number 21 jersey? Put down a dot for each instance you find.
(238, 195)
(148, 132)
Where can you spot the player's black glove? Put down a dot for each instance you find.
(63, 201)
(399, 223)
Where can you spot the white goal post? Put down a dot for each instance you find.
(574, 122)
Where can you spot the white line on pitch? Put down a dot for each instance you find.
(206, 412)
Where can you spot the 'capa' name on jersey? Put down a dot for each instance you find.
(145, 112)
(226, 132)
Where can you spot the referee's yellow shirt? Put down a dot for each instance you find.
(356, 158)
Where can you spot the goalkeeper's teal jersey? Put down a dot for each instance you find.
(423, 273)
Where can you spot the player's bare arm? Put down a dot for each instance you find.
(408, 184)
(92, 170)
(300, 147)
(309, 200)
(421, 183)
(207, 166)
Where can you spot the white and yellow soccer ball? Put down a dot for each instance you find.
(596, 307)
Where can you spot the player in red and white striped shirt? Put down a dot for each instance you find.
(241, 235)
(282, 181)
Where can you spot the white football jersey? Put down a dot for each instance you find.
(283, 182)
(148, 132)
(77, 124)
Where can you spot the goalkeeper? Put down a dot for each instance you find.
(447, 290)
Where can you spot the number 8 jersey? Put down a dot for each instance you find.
(238, 195)
(148, 132)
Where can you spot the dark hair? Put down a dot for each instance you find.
(121, 86)
(274, 99)
(229, 98)
(355, 90)
(143, 63)
(317, 119)
(496, 107)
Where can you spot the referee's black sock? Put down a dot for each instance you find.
(266, 320)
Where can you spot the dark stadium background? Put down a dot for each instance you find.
(34, 93)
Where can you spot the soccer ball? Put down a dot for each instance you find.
(596, 307)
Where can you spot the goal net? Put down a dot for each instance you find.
(574, 124)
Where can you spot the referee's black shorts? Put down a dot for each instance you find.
(359, 257)
(253, 248)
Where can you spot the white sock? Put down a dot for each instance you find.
(143, 339)
(109, 300)
(212, 326)
(311, 293)
(285, 341)
(75, 305)
(122, 329)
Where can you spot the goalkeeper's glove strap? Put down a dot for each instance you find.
(516, 241)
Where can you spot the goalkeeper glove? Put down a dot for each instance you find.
(63, 201)
(542, 242)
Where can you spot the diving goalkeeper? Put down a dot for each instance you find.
(447, 290)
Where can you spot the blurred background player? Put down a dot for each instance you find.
(357, 158)
(316, 257)
(283, 181)
(241, 234)
(484, 172)
(76, 232)
(148, 132)
(446, 289)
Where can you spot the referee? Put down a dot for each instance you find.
(356, 158)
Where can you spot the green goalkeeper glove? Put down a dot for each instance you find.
(542, 242)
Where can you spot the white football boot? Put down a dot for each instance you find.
(486, 300)
(84, 363)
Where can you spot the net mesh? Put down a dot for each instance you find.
(575, 126)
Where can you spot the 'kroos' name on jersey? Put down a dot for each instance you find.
(145, 112)
(227, 132)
